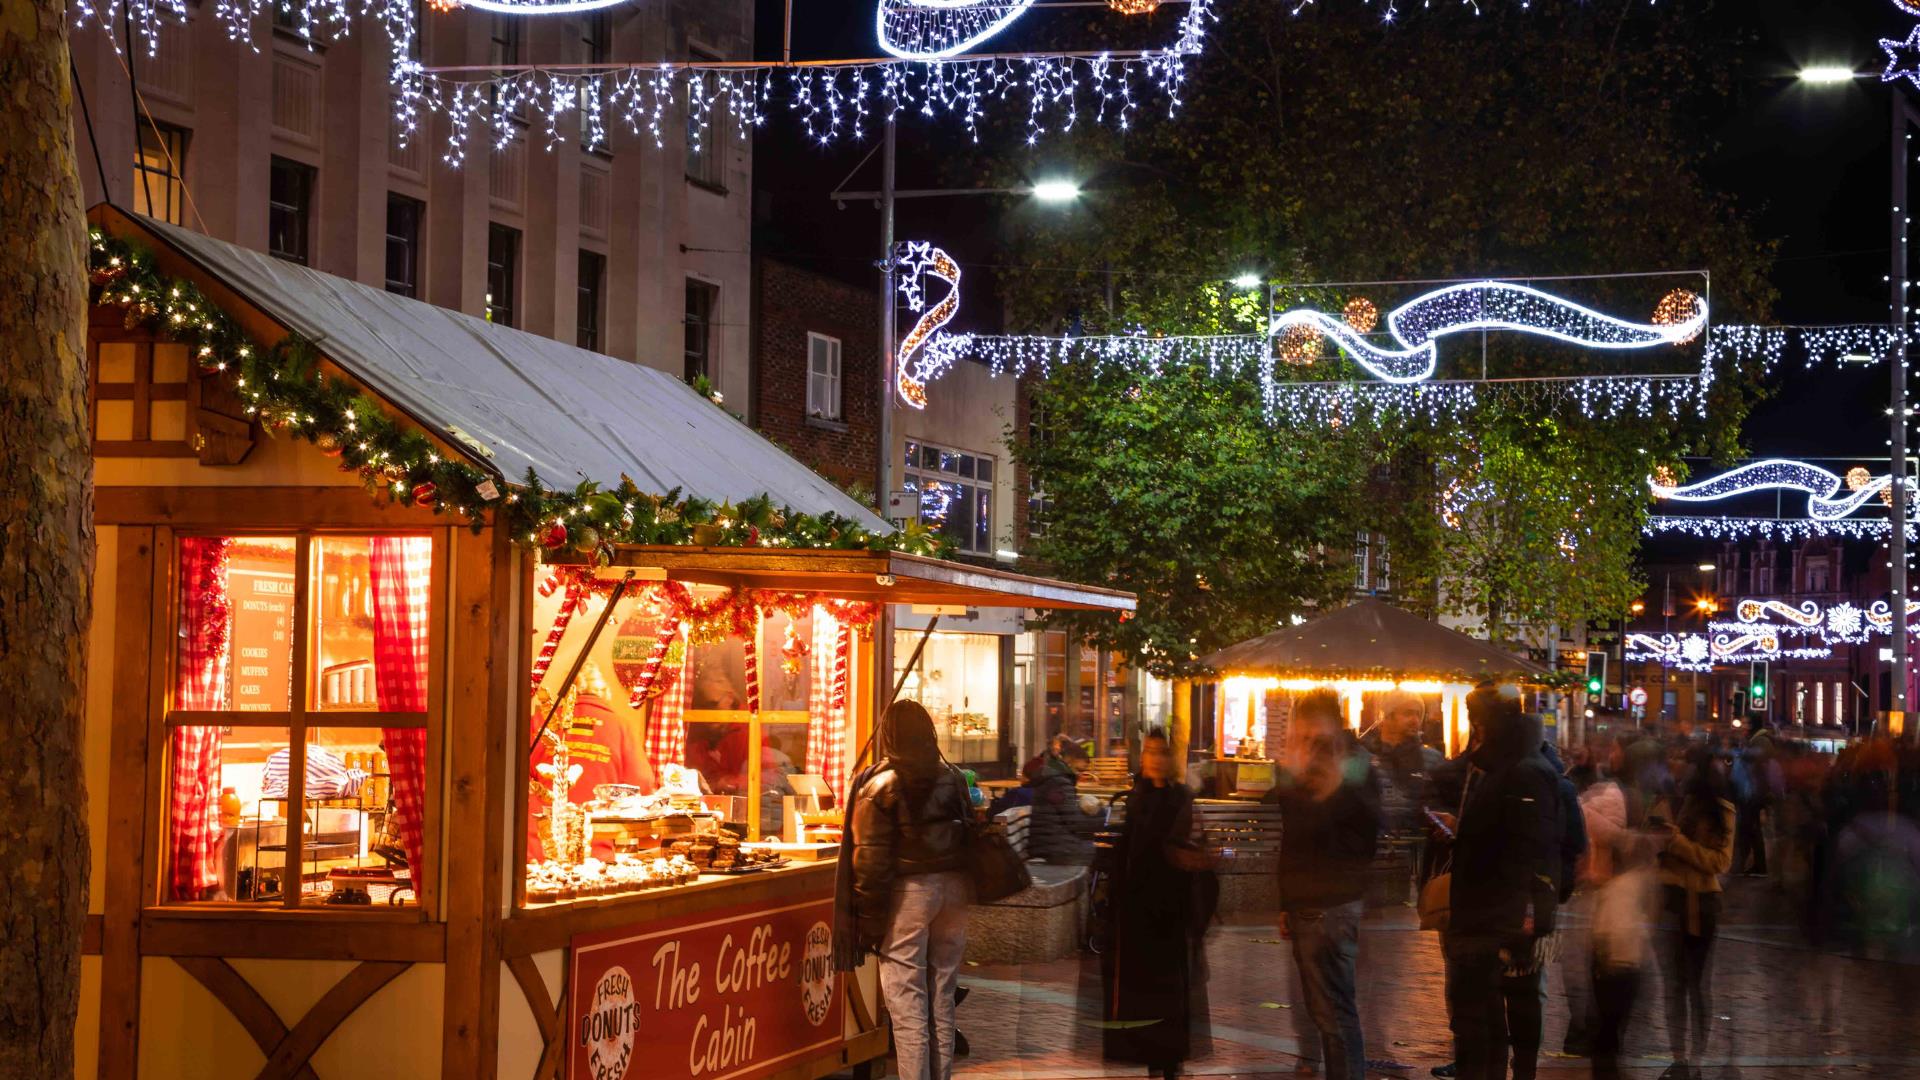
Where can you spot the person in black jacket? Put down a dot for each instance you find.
(1507, 865)
(1329, 796)
(1153, 959)
(908, 834)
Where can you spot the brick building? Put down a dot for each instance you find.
(816, 345)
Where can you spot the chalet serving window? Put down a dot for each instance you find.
(297, 756)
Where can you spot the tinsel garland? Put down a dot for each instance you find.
(573, 601)
(751, 645)
(842, 667)
(732, 613)
(284, 387)
(649, 684)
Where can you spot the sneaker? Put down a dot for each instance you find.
(1445, 1071)
(1677, 1071)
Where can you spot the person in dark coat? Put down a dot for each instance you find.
(907, 829)
(1507, 864)
(1153, 961)
(1057, 830)
(1330, 820)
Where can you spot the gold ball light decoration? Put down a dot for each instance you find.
(1858, 478)
(1663, 475)
(1675, 308)
(1361, 314)
(1299, 345)
(1134, 7)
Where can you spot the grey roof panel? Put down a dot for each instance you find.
(529, 401)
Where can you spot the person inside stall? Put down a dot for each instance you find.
(607, 747)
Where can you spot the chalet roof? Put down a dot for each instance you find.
(1369, 639)
(516, 400)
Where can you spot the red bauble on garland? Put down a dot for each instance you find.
(554, 536)
(424, 493)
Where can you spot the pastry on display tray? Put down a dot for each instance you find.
(549, 882)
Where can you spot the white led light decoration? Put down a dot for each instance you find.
(1485, 305)
(1903, 58)
(540, 7)
(1841, 622)
(1696, 652)
(1767, 528)
(1828, 497)
(915, 366)
(936, 29)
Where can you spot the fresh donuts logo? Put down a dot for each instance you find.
(608, 1026)
(816, 974)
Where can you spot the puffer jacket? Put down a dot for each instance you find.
(908, 818)
(1508, 859)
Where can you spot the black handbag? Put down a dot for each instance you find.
(996, 870)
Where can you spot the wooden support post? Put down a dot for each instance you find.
(126, 784)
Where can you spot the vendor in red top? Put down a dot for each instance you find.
(606, 745)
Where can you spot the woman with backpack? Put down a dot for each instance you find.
(907, 834)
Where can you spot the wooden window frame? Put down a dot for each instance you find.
(297, 720)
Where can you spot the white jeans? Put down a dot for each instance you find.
(919, 966)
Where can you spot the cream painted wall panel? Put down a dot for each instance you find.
(274, 462)
(97, 736)
(520, 1044)
(86, 1025)
(292, 986)
(185, 1032)
(396, 1032)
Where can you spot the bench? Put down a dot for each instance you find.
(1045, 921)
(1244, 839)
(1107, 772)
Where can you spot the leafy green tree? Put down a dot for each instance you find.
(1561, 140)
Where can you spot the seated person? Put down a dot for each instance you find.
(1059, 830)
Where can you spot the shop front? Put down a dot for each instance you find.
(963, 672)
(498, 790)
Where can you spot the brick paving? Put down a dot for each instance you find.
(1782, 1009)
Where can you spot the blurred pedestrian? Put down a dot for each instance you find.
(1505, 886)
(1057, 829)
(1698, 825)
(907, 830)
(1329, 795)
(1163, 896)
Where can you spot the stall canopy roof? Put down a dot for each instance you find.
(516, 400)
(1369, 639)
(886, 576)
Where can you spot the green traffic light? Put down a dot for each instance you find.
(1593, 686)
(1759, 691)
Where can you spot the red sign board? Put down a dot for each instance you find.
(721, 995)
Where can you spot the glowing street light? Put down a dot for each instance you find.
(1056, 191)
(1246, 281)
(1827, 74)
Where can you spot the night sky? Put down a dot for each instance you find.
(1809, 164)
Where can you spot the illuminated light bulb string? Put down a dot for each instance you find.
(1785, 530)
(1701, 653)
(1825, 501)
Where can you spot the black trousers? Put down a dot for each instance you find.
(1477, 1004)
(1614, 992)
(1526, 998)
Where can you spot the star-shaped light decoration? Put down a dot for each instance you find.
(1903, 58)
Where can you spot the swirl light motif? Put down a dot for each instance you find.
(1484, 305)
(913, 366)
(1841, 622)
(1696, 652)
(935, 29)
(1824, 489)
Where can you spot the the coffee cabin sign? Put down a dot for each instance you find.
(728, 995)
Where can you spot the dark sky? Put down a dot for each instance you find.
(1808, 164)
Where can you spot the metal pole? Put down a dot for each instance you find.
(883, 448)
(1897, 420)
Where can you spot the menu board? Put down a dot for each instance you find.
(260, 581)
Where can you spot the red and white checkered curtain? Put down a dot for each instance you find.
(667, 724)
(401, 571)
(827, 703)
(206, 624)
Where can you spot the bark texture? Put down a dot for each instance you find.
(46, 545)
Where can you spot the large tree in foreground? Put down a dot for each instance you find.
(1558, 140)
(46, 546)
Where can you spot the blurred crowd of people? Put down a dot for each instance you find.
(1599, 877)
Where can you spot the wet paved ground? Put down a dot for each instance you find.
(1781, 1009)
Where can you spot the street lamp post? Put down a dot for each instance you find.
(1904, 120)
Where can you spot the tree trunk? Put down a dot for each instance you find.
(46, 545)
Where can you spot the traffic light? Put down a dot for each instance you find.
(1596, 671)
(1757, 685)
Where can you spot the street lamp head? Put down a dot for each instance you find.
(1637, 606)
(1247, 281)
(1056, 191)
(1826, 74)
(1706, 568)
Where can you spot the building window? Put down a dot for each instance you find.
(503, 52)
(595, 47)
(1039, 507)
(823, 376)
(596, 37)
(503, 273)
(703, 299)
(300, 678)
(1818, 579)
(1361, 548)
(587, 292)
(403, 245)
(290, 211)
(706, 128)
(159, 173)
(956, 494)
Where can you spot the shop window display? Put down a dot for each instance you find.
(273, 633)
(699, 721)
(958, 679)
